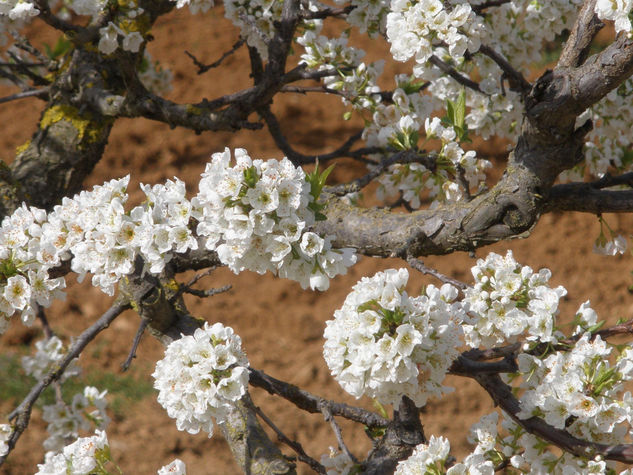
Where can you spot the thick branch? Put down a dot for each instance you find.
(585, 198)
(401, 437)
(582, 34)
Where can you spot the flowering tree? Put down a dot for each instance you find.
(563, 404)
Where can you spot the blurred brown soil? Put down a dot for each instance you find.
(280, 324)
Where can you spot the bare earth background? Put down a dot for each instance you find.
(280, 324)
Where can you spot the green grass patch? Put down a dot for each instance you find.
(123, 389)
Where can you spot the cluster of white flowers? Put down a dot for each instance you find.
(49, 352)
(368, 15)
(355, 81)
(432, 458)
(201, 376)
(385, 344)
(411, 180)
(608, 143)
(257, 215)
(81, 457)
(5, 434)
(413, 26)
(507, 300)
(195, 6)
(86, 411)
(132, 39)
(86, 7)
(25, 259)
(615, 246)
(19, 10)
(618, 11)
(576, 391)
(579, 390)
(177, 467)
(255, 19)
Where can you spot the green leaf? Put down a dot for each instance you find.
(317, 180)
(347, 115)
(251, 177)
(61, 47)
(411, 87)
(450, 111)
(460, 110)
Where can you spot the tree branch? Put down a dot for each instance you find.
(22, 413)
(452, 72)
(310, 403)
(401, 437)
(502, 395)
(585, 28)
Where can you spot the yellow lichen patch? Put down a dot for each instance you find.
(21, 148)
(193, 110)
(172, 285)
(87, 128)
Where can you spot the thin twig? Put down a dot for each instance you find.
(401, 157)
(294, 445)
(311, 403)
(418, 265)
(137, 339)
(40, 93)
(48, 334)
(22, 413)
(517, 81)
(298, 158)
(327, 415)
(203, 68)
(452, 72)
(209, 292)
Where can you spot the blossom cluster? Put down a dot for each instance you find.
(508, 300)
(356, 81)
(82, 457)
(384, 344)
(25, 258)
(617, 11)
(201, 376)
(195, 6)
(49, 352)
(433, 457)
(413, 26)
(86, 411)
(256, 20)
(368, 15)
(579, 390)
(576, 390)
(441, 182)
(257, 215)
(18, 9)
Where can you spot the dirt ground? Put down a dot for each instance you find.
(281, 325)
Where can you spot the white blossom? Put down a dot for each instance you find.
(176, 467)
(201, 376)
(384, 344)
